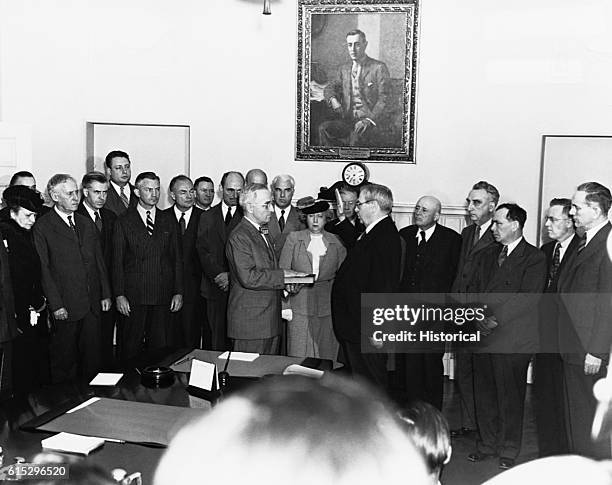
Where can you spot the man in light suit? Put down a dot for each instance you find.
(585, 286)
(347, 226)
(372, 266)
(475, 238)
(549, 402)
(284, 218)
(188, 323)
(510, 277)
(120, 192)
(359, 97)
(147, 271)
(254, 310)
(95, 189)
(215, 226)
(431, 258)
(74, 280)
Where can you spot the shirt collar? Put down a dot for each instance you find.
(178, 213)
(126, 189)
(566, 243)
(370, 226)
(277, 211)
(428, 232)
(90, 211)
(512, 246)
(225, 208)
(594, 230)
(143, 212)
(257, 226)
(64, 216)
(484, 228)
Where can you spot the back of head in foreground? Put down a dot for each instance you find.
(297, 430)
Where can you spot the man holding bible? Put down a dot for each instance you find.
(254, 307)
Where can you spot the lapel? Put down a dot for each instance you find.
(273, 226)
(60, 227)
(259, 241)
(485, 240)
(135, 222)
(595, 246)
(510, 264)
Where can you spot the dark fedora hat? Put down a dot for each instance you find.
(21, 196)
(308, 205)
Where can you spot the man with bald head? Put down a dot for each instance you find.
(430, 265)
(256, 176)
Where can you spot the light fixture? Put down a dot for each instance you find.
(266, 9)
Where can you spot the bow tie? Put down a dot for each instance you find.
(264, 230)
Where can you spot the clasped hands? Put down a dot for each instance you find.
(123, 304)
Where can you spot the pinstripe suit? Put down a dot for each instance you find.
(148, 271)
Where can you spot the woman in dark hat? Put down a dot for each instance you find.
(312, 250)
(30, 347)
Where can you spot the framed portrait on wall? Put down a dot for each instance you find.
(356, 80)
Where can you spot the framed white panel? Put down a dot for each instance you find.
(163, 149)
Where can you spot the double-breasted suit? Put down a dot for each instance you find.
(429, 267)
(114, 202)
(464, 366)
(148, 271)
(254, 311)
(210, 244)
(310, 332)
(585, 286)
(372, 266)
(511, 293)
(189, 320)
(74, 277)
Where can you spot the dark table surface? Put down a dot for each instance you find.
(19, 415)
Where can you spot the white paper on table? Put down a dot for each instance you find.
(244, 356)
(300, 370)
(83, 405)
(72, 443)
(106, 379)
(203, 374)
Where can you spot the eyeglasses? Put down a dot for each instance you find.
(358, 204)
(267, 205)
(555, 219)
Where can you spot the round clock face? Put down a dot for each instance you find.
(354, 174)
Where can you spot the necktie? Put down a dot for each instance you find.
(422, 235)
(73, 227)
(98, 221)
(502, 256)
(554, 267)
(182, 223)
(228, 216)
(476, 236)
(355, 73)
(281, 220)
(582, 243)
(150, 225)
(124, 198)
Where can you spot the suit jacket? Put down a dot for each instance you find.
(73, 271)
(433, 268)
(374, 88)
(345, 230)
(315, 300)
(585, 286)
(469, 257)
(511, 293)
(550, 302)
(106, 236)
(372, 266)
(254, 307)
(8, 323)
(192, 270)
(148, 270)
(210, 244)
(292, 223)
(114, 203)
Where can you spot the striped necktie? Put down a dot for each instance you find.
(502, 256)
(123, 197)
(150, 225)
(554, 267)
(582, 243)
(98, 221)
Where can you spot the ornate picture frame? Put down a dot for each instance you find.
(357, 80)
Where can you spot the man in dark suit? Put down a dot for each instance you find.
(213, 231)
(285, 218)
(95, 189)
(431, 258)
(548, 367)
(147, 271)
(74, 280)
(475, 238)
(585, 286)
(188, 322)
(120, 192)
(510, 277)
(373, 266)
(359, 96)
(347, 225)
(254, 312)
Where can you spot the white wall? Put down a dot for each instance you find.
(493, 77)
